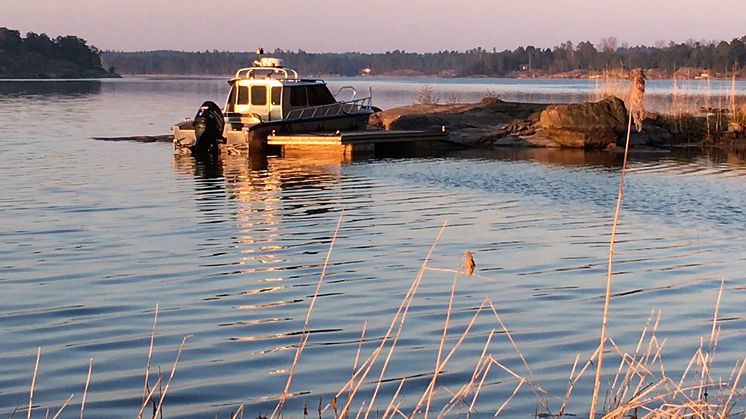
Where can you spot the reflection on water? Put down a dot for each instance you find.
(261, 191)
(536, 219)
(94, 234)
(26, 89)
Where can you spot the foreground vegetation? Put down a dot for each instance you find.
(638, 385)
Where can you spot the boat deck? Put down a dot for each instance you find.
(354, 143)
(356, 137)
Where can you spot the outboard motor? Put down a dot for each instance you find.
(208, 129)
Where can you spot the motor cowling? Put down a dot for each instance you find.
(208, 128)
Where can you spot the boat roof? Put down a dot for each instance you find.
(268, 69)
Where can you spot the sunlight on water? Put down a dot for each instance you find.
(95, 234)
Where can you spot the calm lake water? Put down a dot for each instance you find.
(95, 234)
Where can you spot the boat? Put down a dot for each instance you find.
(269, 99)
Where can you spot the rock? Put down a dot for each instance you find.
(418, 122)
(584, 125)
(376, 120)
(609, 113)
(653, 134)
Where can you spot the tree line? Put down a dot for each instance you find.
(39, 55)
(720, 59)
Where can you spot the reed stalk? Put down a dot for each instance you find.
(85, 389)
(441, 365)
(33, 383)
(306, 331)
(390, 406)
(170, 377)
(505, 403)
(413, 289)
(466, 388)
(238, 412)
(148, 397)
(401, 312)
(487, 367)
(357, 354)
(64, 404)
(429, 392)
(538, 391)
(570, 385)
(148, 364)
(637, 90)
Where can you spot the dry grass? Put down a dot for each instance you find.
(148, 391)
(693, 112)
(640, 386)
(427, 96)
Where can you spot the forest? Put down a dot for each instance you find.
(39, 56)
(718, 59)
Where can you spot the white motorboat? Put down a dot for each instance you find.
(268, 98)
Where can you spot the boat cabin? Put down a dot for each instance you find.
(269, 92)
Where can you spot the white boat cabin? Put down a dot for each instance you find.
(270, 92)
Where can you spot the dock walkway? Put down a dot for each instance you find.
(351, 143)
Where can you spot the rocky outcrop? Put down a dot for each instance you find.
(495, 123)
(469, 124)
(583, 125)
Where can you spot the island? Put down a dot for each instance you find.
(37, 56)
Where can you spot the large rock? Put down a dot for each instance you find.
(584, 125)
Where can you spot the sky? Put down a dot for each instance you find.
(373, 25)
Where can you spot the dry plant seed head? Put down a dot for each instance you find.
(636, 94)
(469, 264)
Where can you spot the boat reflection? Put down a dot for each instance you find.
(273, 216)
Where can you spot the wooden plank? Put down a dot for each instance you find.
(356, 137)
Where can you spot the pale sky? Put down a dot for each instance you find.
(373, 25)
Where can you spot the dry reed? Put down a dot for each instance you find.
(33, 383)
(636, 93)
(306, 331)
(145, 396)
(85, 389)
(641, 382)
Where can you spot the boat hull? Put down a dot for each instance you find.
(253, 138)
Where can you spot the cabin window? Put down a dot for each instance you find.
(276, 95)
(298, 96)
(259, 95)
(320, 95)
(243, 95)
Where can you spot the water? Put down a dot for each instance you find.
(666, 96)
(95, 234)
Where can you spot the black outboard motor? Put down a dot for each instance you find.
(208, 129)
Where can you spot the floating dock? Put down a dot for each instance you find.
(356, 143)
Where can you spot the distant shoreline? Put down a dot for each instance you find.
(557, 76)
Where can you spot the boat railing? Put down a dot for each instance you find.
(343, 88)
(251, 73)
(332, 109)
